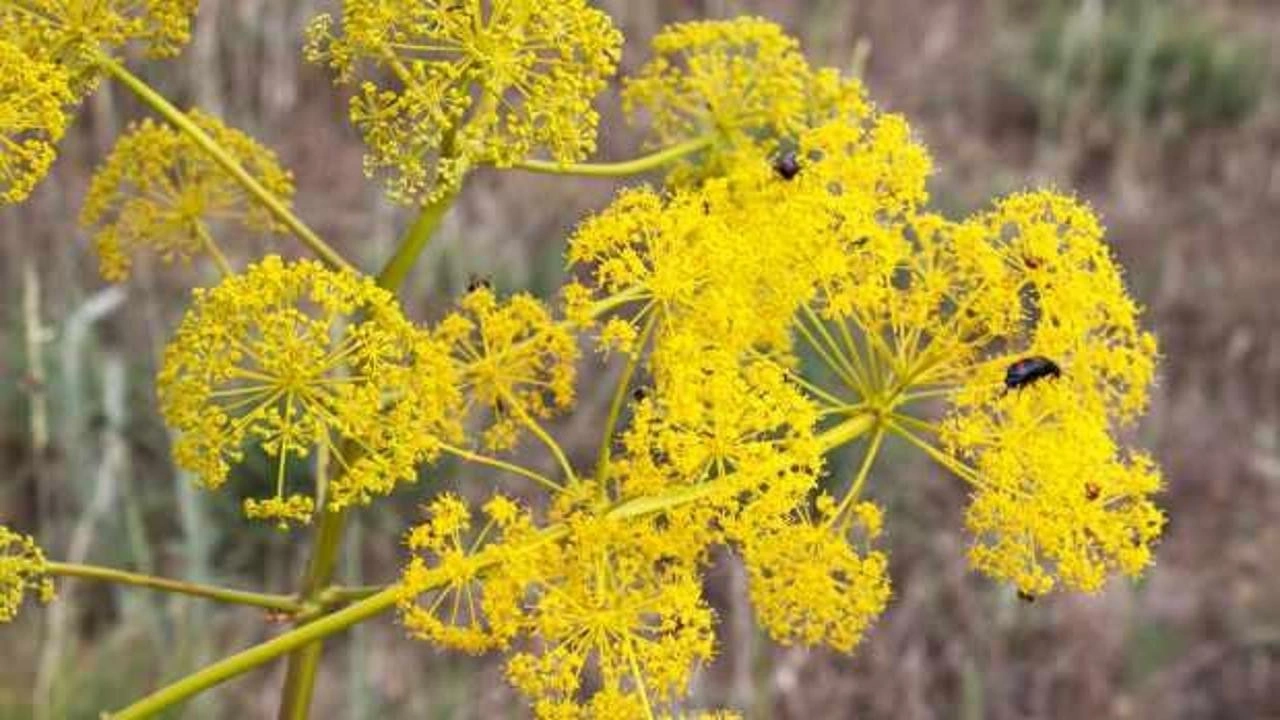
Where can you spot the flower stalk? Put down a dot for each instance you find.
(179, 119)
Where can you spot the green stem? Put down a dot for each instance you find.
(219, 154)
(384, 600)
(282, 603)
(242, 662)
(620, 169)
(863, 472)
(300, 678)
(619, 398)
(295, 703)
(214, 251)
(414, 242)
(464, 454)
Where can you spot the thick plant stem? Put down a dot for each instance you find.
(295, 700)
(619, 398)
(242, 662)
(385, 599)
(414, 242)
(183, 122)
(300, 678)
(281, 603)
(646, 163)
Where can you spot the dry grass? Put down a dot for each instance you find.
(1193, 213)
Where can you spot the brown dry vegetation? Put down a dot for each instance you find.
(1193, 205)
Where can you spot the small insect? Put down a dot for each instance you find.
(1028, 370)
(640, 393)
(277, 617)
(1026, 597)
(787, 165)
(1092, 491)
(478, 282)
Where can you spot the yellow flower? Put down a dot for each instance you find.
(1049, 248)
(468, 613)
(467, 84)
(1055, 499)
(701, 259)
(295, 357)
(742, 80)
(611, 599)
(810, 585)
(67, 32)
(22, 568)
(33, 98)
(514, 360)
(159, 190)
(712, 417)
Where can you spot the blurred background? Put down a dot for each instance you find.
(1163, 114)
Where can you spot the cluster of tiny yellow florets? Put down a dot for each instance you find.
(71, 32)
(297, 359)
(159, 190)
(802, 231)
(33, 97)
(49, 53)
(744, 82)
(786, 293)
(446, 86)
(22, 569)
(514, 360)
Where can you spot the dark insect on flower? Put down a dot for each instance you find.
(1092, 491)
(787, 165)
(640, 393)
(1026, 597)
(1028, 370)
(477, 282)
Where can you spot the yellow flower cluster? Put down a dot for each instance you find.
(615, 596)
(743, 81)
(294, 358)
(466, 614)
(33, 98)
(159, 190)
(446, 86)
(22, 568)
(788, 292)
(513, 359)
(49, 62)
(810, 585)
(69, 32)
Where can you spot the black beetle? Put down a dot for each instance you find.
(1026, 597)
(787, 165)
(1028, 370)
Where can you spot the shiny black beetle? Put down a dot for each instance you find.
(787, 165)
(1028, 370)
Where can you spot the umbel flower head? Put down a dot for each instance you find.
(616, 603)
(69, 32)
(294, 358)
(743, 81)
(33, 99)
(778, 312)
(466, 613)
(513, 359)
(22, 569)
(446, 86)
(809, 584)
(159, 190)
